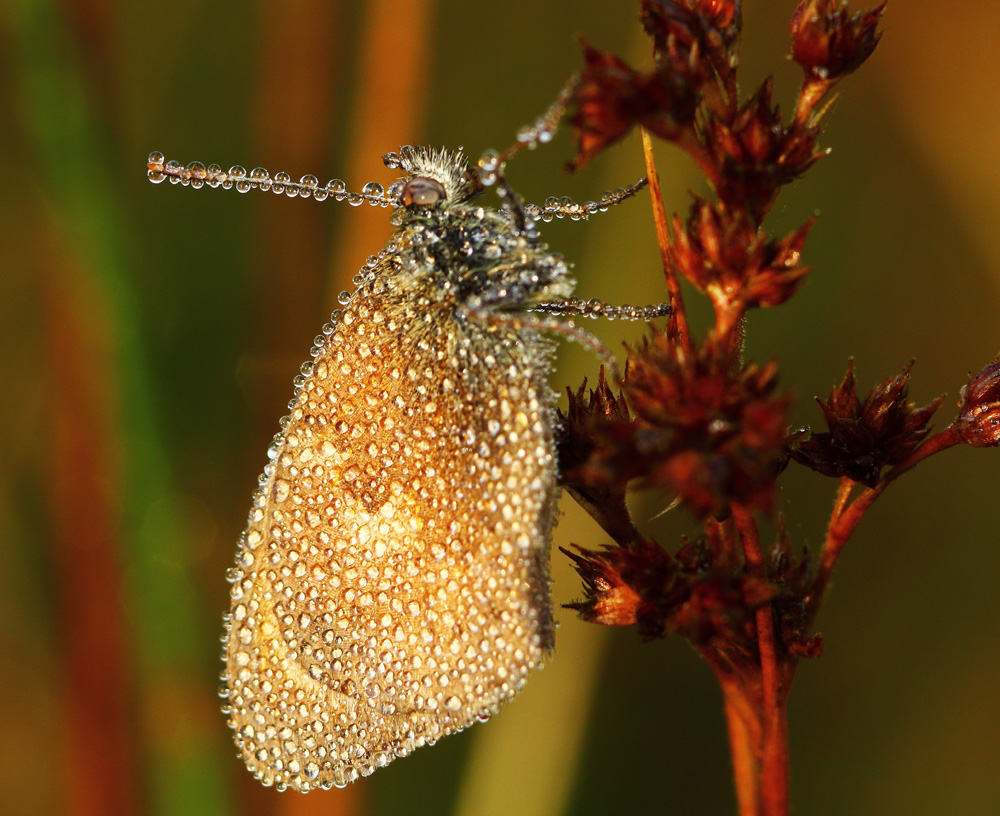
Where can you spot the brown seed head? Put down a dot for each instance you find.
(756, 153)
(691, 595)
(612, 97)
(696, 38)
(829, 42)
(726, 256)
(864, 437)
(978, 421)
(701, 431)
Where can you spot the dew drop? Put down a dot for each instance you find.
(489, 161)
(261, 178)
(395, 190)
(337, 188)
(374, 189)
(172, 167)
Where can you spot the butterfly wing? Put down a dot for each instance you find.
(391, 586)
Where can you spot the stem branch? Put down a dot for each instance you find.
(678, 318)
(846, 516)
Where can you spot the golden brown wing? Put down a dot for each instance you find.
(392, 584)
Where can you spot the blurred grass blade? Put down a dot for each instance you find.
(76, 165)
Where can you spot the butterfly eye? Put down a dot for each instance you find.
(422, 192)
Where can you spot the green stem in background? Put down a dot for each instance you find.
(57, 113)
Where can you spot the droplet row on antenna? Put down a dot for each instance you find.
(198, 175)
(595, 308)
(541, 131)
(565, 207)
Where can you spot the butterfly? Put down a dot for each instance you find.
(392, 586)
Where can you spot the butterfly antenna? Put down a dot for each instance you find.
(198, 175)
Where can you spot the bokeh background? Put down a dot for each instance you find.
(149, 336)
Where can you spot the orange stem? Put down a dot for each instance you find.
(678, 319)
(846, 516)
(812, 92)
(745, 765)
(774, 757)
(744, 729)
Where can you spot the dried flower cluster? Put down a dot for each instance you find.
(864, 438)
(702, 432)
(692, 419)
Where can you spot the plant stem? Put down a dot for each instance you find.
(774, 763)
(745, 765)
(840, 502)
(774, 755)
(845, 517)
(744, 728)
(813, 90)
(678, 317)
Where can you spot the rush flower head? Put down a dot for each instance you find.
(727, 257)
(829, 42)
(586, 406)
(691, 595)
(603, 498)
(757, 154)
(697, 38)
(864, 437)
(978, 422)
(685, 23)
(701, 431)
(612, 97)
(792, 577)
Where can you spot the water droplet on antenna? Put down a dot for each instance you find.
(374, 189)
(337, 188)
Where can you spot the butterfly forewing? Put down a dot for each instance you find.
(392, 584)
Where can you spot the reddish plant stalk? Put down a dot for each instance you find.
(846, 515)
(774, 748)
(678, 318)
(744, 733)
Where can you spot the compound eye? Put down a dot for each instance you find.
(422, 192)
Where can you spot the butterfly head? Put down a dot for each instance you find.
(434, 178)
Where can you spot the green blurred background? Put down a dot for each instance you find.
(150, 335)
